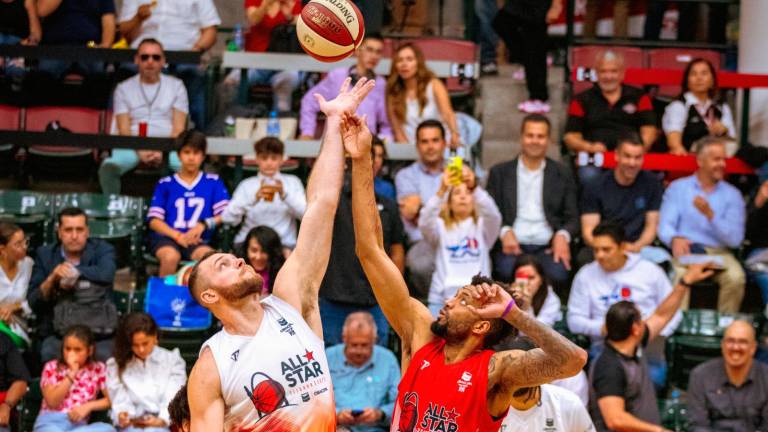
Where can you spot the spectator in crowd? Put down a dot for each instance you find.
(180, 25)
(730, 392)
(148, 104)
(522, 25)
(374, 106)
(15, 273)
(71, 284)
(627, 196)
(687, 19)
(265, 18)
(345, 288)
(179, 411)
(622, 396)
(537, 199)
(415, 94)
(271, 198)
(14, 377)
(599, 116)
(620, 18)
(618, 275)
(19, 24)
(534, 291)
(263, 250)
(365, 377)
(703, 214)
(71, 386)
(381, 185)
(142, 377)
(461, 222)
(186, 207)
(415, 185)
(757, 262)
(544, 407)
(697, 112)
(73, 22)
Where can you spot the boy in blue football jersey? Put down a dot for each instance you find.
(186, 207)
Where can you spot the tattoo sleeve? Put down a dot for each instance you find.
(556, 357)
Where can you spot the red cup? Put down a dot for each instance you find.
(142, 129)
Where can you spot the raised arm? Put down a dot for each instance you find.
(206, 404)
(556, 357)
(668, 308)
(409, 318)
(299, 280)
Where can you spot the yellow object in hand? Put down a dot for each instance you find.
(455, 171)
(121, 44)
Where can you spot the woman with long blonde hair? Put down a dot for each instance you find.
(415, 94)
(462, 222)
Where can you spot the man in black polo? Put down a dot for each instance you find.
(610, 109)
(627, 196)
(345, 289)
(731, 392)
(621, 393)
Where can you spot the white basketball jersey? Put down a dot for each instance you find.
(277, 380)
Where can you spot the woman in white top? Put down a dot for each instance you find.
(415, 94)
(15, 271)
(462, 222)
(142, 378)
(533, 291)
(697, 112)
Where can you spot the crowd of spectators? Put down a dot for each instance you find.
(615, 246)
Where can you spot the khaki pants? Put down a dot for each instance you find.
(731, 281)
(620, 18)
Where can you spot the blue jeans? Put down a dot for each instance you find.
(283, 84)
(122, 161)
(485, 12)
(194, 80)
(333, 315)
(57, 68)
(761, 277)
(59, 422)
(10, 69)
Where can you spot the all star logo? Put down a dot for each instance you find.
(235, 355)
(301, 368)
(439, 419)
(465, 381)
(285, 326)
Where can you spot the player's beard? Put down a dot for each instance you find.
(245, 287)
(451, 332)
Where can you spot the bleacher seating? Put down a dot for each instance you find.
(584, 56)
(677, 58)
(10, 118)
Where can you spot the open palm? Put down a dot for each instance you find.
(356, 136)
(348, 99)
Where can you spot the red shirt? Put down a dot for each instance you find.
(257, 39)
(434, 396)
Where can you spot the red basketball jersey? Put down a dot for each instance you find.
(434, 396)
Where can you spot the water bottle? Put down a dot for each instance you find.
(239, 37)
(229, 126)
(273, 125)
(675, 408)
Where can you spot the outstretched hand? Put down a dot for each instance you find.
(698, 272)
(348, 99)
(493, 300)
(356, 136)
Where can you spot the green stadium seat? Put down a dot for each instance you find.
(30, 406)
(127, 302)
(32, 211)
(674, 416)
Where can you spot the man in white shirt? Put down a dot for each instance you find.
(181, 25)
(147, 104)
(537, 199)
(618, 275)
(546, 408)
(271, 198)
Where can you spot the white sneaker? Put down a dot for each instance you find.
(534, 106)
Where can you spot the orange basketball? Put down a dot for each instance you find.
(330, 30)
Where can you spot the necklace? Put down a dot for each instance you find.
(148, 102)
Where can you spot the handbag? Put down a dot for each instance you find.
(173, 307)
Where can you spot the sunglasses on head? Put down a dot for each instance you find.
(155, 57)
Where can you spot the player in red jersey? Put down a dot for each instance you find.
(453, 381)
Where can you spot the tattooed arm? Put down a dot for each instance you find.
(508, 371)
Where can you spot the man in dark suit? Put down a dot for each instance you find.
(538, 202)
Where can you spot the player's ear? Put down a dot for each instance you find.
(209, 296)
(481, 327)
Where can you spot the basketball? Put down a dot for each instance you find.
(330, 30)
(268, 396)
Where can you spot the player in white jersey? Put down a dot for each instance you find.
(266, 370)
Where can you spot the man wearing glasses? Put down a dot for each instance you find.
(730, 392)
(148, 104)
(374, 106)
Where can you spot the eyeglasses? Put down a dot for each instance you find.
(21, 244)
(155, 57)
